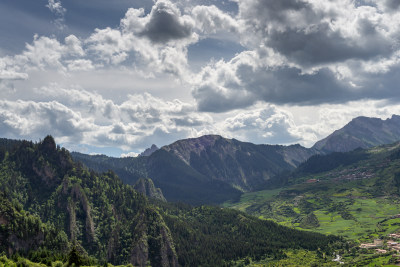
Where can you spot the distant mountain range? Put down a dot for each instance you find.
(208, 169)
(212, 169)
(361, 132)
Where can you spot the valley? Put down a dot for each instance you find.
(358, 201)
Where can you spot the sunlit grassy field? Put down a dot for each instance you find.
(367, 215)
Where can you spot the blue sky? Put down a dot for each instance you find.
(116, 76)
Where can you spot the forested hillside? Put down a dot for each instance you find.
(55, 209)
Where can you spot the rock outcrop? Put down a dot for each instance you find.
(146, 187)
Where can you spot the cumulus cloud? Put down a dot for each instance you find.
(242, 81)
(163, 24)
(133, 124)
(45, 53)
(10, 73)
(263, 124)
(110, 45)
(80, 65)
(157, 42)
(210, 19)
(153, 43)
(166, 23)
(129, 155)
(312, 33)
(305, 52)
(34, 120)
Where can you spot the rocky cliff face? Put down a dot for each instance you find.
(146, 187)
(361, 132)
(149, 151)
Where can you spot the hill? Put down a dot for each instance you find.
(361, 132)
(54, 209)
(355, 194)
(208, 169)
(242, 165)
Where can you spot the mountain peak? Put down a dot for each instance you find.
(363, 132)
(183, 148)
(149, 151)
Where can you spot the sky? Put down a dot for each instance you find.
(115, 77)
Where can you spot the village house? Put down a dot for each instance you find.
(377, 243)
(395, 235)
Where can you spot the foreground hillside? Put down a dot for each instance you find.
(53, 209)
(208, 169)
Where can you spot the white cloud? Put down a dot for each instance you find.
(129, 154)
(263, 124)
(80, 65)
(133, 124)
(56, 7)
(34, 120)
(74, 46)
(48, 53)
(110, 45)
(210, 19)
(305, 52)
(59, 11)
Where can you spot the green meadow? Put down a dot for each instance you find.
(348, 213)
(358, 201)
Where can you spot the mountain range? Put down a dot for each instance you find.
(209, 169)
(74, 209)
(212, 169)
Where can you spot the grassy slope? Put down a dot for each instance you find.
(352, 208)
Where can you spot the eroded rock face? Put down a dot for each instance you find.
(140, 252)
(167, 251)
(146, 187)
(154, 244)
